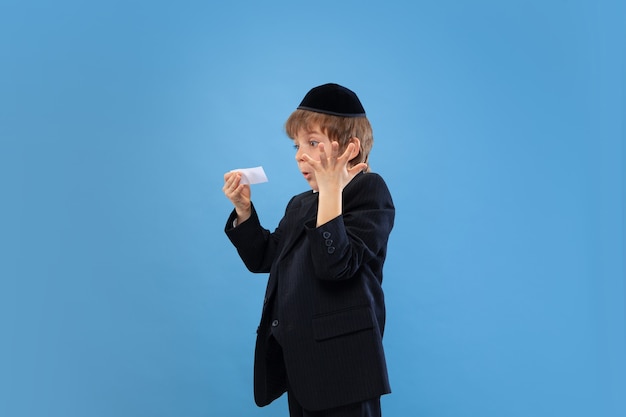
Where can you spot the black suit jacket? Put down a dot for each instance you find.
(324, 304)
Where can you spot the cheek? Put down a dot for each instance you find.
(313, 153)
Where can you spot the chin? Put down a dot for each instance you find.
(312, 183)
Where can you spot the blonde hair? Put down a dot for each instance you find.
(337, 128)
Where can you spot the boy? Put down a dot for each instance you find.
(321, 329)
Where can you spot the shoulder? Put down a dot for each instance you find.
(369, 188)
(301, 199)
(369, 182)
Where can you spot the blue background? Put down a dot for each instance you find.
(499, 128)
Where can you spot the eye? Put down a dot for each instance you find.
(296, 147)
(313, 143)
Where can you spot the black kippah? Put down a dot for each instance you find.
(333, 99)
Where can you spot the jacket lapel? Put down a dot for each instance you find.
(306, 211)
(294, 228)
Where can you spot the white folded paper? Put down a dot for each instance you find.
(254, 175)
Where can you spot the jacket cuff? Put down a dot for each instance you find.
(251, 222)
(329, 238)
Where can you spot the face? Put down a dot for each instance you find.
(306, 142)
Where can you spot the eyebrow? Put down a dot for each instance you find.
(310, 133)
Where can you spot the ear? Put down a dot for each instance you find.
(357, 147)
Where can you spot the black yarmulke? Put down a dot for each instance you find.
(333, 99)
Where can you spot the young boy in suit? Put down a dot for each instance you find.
(321, 329)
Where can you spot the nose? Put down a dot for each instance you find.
(298, 155)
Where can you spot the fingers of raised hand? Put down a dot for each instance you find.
(323, 156)
(346, 154)
(329, 157)
(357, 168)
(335, 146)
(306, 158)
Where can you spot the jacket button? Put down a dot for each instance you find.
(331, 249)
(326, 235)
(275, 323)
(329, 242)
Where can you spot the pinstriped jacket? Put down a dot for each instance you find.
(323, 317)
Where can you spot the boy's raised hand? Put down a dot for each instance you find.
(332, 174)
(332, 171)
(238, 194)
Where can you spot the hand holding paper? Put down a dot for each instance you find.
(237, 189)
(254, 175)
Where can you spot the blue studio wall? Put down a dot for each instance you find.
(499, 128)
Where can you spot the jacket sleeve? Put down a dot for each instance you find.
(256, 245)
(357, 239)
